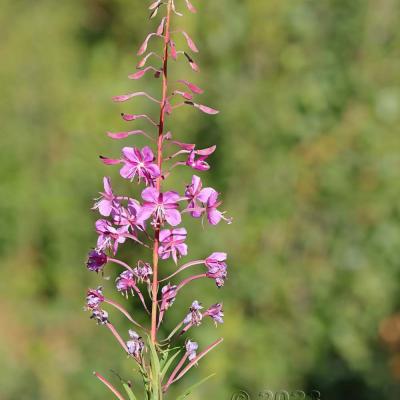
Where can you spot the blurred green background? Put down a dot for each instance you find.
(308, 160)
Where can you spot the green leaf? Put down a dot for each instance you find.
(128, 390)
(168, 364)
(188, 391)
(155, 371)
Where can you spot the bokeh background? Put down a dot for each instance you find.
(308, 160)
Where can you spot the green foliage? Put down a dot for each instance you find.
(307, 158)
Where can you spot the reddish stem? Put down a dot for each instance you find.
(117, 336)
(154, 289)
(108, 384)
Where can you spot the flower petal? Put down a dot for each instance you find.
(150, 195)
(173, 217)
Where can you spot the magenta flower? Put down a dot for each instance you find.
(217, 268)
(110, 237)
(139, 163)
(128, 216)
(125, 282)
(94, 298)
(107, 202)
(172, 244)
(214, 216)
(195, 316)
(191, 348)
(162, 206)
(97, 259)
(216, 313)
(199, 163)
(168, 294)
(195, 193)
(135, 346)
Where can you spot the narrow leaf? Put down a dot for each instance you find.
(198, 358)
(168, 364)
(190, 389)
(129, 392)
(155, 368)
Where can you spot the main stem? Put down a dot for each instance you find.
(158, 181)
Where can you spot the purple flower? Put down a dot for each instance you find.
(216, 313)
(195, 193)
(139, 163)
(128, 216)
(217, 268)
(143, 271)
(110, 237)
(135, 345)
(195, 316)
(107, 202)
(100, 316)
(126, 281)
(96, 260)
(168, 294)
(191, 348)
(94, 298)
(214, 216)
(199, 164)
(172, 244)
(162, 206)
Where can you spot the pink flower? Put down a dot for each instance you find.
(135, 346)
(172, 244)
(107, 202)
(217, 268)
(168, 294)
(162, 206)
(125, 282)
(214, 216)
(191, 348)
(110, 237)
(195, 193)
(128, 216)
(139, 163)
(216, 313)
(94, 298)
(195, 316)
(199, 164)
(143, 271)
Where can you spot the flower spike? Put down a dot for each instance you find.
(153, 215)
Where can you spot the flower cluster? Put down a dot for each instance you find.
(154, 219)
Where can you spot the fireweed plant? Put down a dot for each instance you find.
(154, 222)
